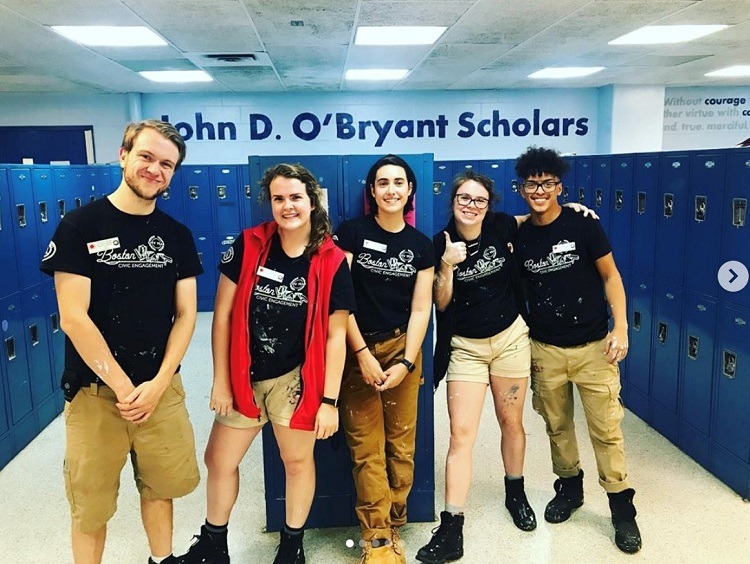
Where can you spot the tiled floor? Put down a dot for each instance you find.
(685, 514)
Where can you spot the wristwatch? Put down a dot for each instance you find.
(409, 365)
(330, 401)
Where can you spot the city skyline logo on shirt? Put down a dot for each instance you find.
(289, 296)
(561, 257)
(392, 266)
(143, 256)
(488, 265)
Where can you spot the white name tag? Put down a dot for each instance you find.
(264, 272)
(564, 247)
(375, 246)
(103, 245)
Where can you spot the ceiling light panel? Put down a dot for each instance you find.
(398, 35)
(663, 34)
(110, 36)
(565, 72)
(176, 76)
(734, 71)
(376, 74)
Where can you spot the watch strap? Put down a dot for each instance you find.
(330, 401)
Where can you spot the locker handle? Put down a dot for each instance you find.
(61, 208)
(581, 195)
(637, 320)
(10, 347)
(166, 194)
(668, 205)
(34, 334)
(662, 335)
(221, 192)
(437, 187)
(78, 202)
(693, 344)
(54, 321)
(514, 186)
(248, 195)
(739, 212)
(565, 195)
(43, 215)
(193, 192)
(619, 198)
(641, 202)
(21, 211)
(92, 197)
(730, 363)
(700, 208)
(200, 258)
(598, 198)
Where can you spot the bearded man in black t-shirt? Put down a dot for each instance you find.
(570, 276)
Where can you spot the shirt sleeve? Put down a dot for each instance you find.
(596, 238)
(345, 237)
(427, 252)
(231, 260)
(438, 245)
(190, 263)
(67, 252)
(342, 290)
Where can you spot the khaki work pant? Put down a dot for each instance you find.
(554, 370)
(381, 429)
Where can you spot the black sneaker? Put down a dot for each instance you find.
(290, 550)
(569, 496)
(627, 534)
(518, 506)
(207, 548)
(447, 542)
(168, 560)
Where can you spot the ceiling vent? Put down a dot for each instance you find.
(257, 58)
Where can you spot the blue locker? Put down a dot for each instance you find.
(7, 452)
(55, 335)
(671, 217)
(9, 282)
(512, 194)
(621, 209)
(25, 224)
(601, 183)
(584, 193)
(495, 170)
(198, 201)
(91, 184)
(569, 190)
(246, 194)
(704, 221)
(735, 244)
(623, 366)
(696, 387)
(14, 358)
(104, 186)
(64, 189)
(665, 347)
(730, 455)
(441, 193)
(172, 200)
(44, 206)
(115, 177)
(5, 422)
(206, 246)
(225, 189)
(645, 206)
(37, 341)
(640, 307)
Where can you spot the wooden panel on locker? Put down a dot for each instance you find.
(9, 281)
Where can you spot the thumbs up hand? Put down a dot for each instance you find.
(455, 253)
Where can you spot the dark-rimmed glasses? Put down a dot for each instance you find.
(479, 203)
(531, 186)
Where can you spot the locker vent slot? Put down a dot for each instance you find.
(54, 321)
(598, 198)
(618, 200)
(739, 212)
(193, 192)
(662, 333)
(637, 320)
(43, 215)
(10, 347)
(700, 208)
(34, 334)
(693, 343)
(581, 195)
(730, 363)
(641, 202)
(21, 211)
(221, 192)
(668, 205)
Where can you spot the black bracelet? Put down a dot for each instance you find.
(360, 350)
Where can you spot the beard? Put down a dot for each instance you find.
(132, 183)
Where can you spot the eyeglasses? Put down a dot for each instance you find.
(547, 185)
(465, 200)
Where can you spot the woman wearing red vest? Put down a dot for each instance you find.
(278, 339)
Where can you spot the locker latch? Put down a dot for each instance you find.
(662, 336)
(641, 202)
(437, 187)
(598, 198)
(581, 195)
(730, 363)
(166, 194)
(514, 186)
(21, 211)
(10, 347)
(61, 208)
(700, 208)
(221, 192)
(565, 194)
(739, 212)
(247, 191)
(34, 334)
(43, 215)
(693, 343)
(637, 320)
(92, 197)
(54, 321)
(193, 192)
(618, 200)
(78, 202)
(668, 205)
(200, 258)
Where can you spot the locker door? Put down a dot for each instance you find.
(698, 336)
(115, 177)
(511, 192)
(104, 185)
(40, 367)
(206, 246)
(569, 190)
(44, 207)
(64, 189)
(14, 358)
(704, 203)
(665, 346)
(645, 205)
(91, 184)
(25, 224)
(584, 180)
(441, 192)
(671, 217)
(172, 200)
(225, 190)
(9, 282)
(495, 170)
(735, 244)
(640, 307)
(601, 182)
(7, 451)
(82, 185)
(246, 195)
(54, 333)
(621, 209)
(198, 200)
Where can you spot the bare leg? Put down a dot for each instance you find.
(88, 548)
(157, 520)
(296, 449)
(509, 395)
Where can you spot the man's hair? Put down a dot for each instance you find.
(538, 160)
(167, 130)
(469, 174)
(320, 225)
(394, 160)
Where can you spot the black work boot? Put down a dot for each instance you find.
(447, 542)
(290, 549)
(569, 496)
(518, 506)
(168, 560)
(627, 535)
(207, 548)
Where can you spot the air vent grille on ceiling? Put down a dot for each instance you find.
(256, 58)
(232, 58)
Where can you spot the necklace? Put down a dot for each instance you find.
(473, 248)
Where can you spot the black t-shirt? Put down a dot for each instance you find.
(567, 305)
(482, 288)
(134, 263)
(384, 270)
(278, 306)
